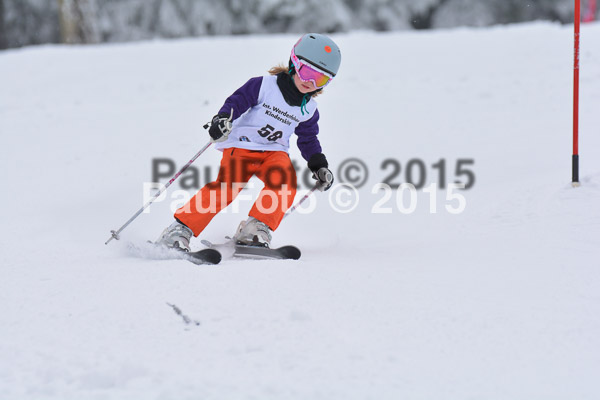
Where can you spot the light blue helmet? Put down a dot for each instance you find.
(320, 51)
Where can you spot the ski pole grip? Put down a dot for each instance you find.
(209, 123)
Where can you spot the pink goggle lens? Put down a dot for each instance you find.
(306, 73)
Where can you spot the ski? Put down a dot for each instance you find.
(257, 252)
(280, 253)
(204, 256)
(153, 251)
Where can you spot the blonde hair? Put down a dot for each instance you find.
(279, 68)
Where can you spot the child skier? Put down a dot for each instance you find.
(252, 129)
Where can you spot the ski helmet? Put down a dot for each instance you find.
(318, 50)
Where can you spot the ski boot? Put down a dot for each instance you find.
(176, 236)
(252, 232)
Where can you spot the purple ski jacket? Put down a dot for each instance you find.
(246, 97)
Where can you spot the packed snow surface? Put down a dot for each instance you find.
(499, 300)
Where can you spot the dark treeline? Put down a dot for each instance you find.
(26, 22)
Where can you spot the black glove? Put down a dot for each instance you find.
(220, 127)
(319, 167)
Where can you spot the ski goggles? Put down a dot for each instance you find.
(308, 72)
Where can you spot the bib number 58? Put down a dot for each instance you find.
(269, 132)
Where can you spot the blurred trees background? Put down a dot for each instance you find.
(25, 22)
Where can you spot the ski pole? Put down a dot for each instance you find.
(329, 177)
(302, 200)
(115, 234)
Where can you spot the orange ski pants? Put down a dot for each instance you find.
(274, 168)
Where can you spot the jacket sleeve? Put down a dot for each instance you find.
(307, 132)
(242, 99)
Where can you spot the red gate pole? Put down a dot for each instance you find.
(575, 158)
(590, 14)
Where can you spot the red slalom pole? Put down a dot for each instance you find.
(575, 158)
(590, 14)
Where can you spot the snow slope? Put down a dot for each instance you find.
(498, 302)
